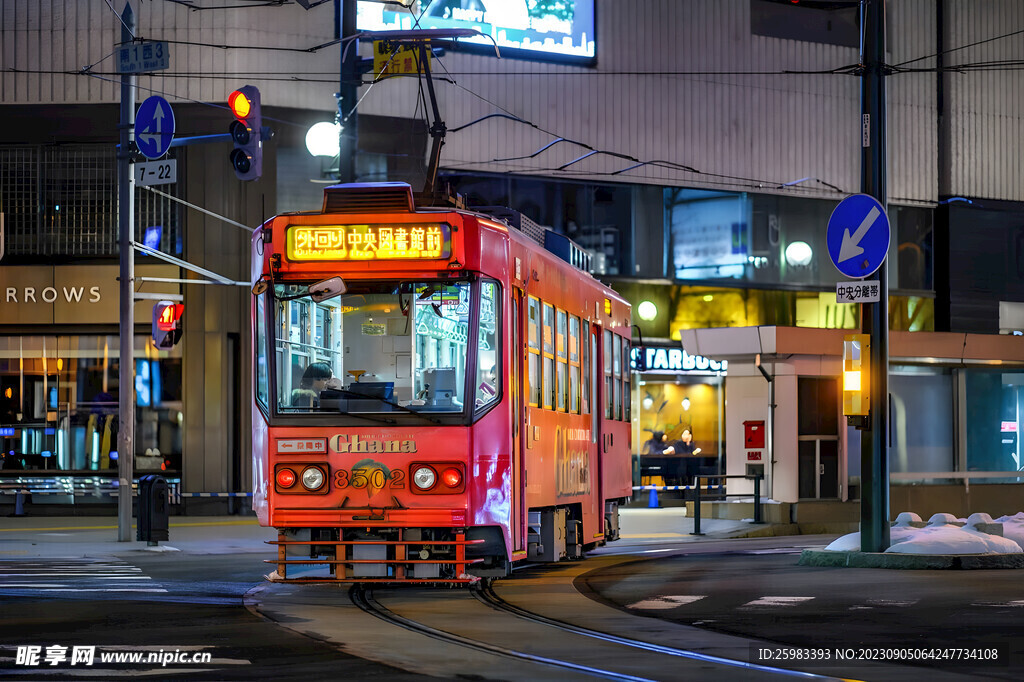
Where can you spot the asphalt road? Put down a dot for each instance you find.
(756, 589)
(188, 604)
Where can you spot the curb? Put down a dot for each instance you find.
(820, 557)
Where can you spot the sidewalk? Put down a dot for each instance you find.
(96, 536)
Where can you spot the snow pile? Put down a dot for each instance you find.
(901, 530)
(943, 535)
(1013, 527)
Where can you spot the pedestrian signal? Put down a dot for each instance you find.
(247, 156)
(167, 324)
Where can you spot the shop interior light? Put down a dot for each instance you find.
(647, 311)
(799, 254)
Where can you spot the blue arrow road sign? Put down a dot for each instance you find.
(154, 127)
(858, 235)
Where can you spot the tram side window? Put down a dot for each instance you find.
(488, 378)
(533, 350)
(549, 356)
(627, 395)
(574, 364)
(561, 346)
(588, 355)
(262, 376)
(616, 351)
(608, 391)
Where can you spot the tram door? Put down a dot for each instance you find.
(516, 387)
(594, 363)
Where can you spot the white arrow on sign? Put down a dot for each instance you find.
(851, 248)
(149, 134)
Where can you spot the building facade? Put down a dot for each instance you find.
(697, 155)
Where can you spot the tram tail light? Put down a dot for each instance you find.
(426, 481)
(285, 477)
(451, 477)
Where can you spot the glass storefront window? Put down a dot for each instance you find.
(993, 402)
(921, 420)
(59, 404)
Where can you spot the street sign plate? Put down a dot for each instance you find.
(148, 55)
(162, 172)
(868, 291)
(154, 127)
(858, 236)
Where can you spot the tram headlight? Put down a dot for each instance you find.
(424, 478)
(312, 478)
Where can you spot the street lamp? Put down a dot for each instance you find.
(322, 139)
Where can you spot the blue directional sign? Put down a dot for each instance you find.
(154, 127)
(858, 235)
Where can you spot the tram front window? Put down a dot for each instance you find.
(382, 346)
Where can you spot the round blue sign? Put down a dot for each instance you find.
(154, 127)
(858, 236)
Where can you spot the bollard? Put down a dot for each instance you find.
(696, 510)
(652, 499)
(19, 502)
(757, 499)
(152, 514)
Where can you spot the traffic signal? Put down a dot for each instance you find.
(856, 375)
(247, 156)
(167, 323)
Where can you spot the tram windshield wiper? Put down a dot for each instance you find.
(366, 396)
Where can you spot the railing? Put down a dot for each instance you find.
(966, 476)
(757, 498)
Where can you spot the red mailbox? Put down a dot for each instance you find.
(753, 434)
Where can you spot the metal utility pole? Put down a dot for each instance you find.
(348, 92)
(125, 223)
(874, 457)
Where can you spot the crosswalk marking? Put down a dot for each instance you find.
(74, 575)
(665, 602)
(777, 601)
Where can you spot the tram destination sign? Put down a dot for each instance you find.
(369, 242)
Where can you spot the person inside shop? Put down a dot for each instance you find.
(658, 445)
(314, 380)
(685, 449)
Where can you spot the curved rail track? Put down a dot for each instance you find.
(362, 597)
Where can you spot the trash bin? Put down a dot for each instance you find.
(152, 525)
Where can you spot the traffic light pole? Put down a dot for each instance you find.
(126, 338)
(874, 467)
(348, 91)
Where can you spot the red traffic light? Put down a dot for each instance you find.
(240, 105)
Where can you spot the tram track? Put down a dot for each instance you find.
(598, 646)
(362, 597)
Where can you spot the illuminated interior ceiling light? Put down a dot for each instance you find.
(323, 139)
(686, 404)
(647, 311)
(798, 253)
(708, 298)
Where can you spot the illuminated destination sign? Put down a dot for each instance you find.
(369, 242)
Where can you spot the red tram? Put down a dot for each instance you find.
(438, 393)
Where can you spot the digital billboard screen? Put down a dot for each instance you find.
(542, 29)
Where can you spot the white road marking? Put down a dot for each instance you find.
(665, 602)
(777, 601)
